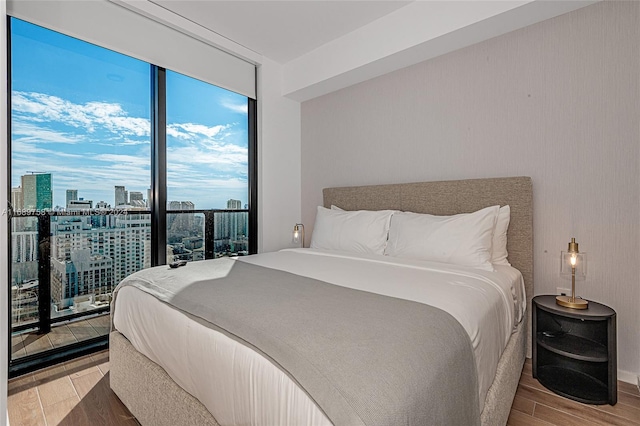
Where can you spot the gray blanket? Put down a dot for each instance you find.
(365, 359)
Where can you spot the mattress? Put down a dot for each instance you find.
(489, 305)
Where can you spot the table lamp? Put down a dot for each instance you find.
(575, 263)
(298, 234)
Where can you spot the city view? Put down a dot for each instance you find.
(81, 132)
(93, 247)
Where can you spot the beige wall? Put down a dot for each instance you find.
(558, 101)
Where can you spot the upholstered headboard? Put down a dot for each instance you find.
(452, 197)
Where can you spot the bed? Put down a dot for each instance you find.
(154, 397)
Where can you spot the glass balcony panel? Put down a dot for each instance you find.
(185, 236)
(231, 233)
(24, 271)
(86, 261)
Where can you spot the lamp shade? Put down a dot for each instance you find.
(573, 264)
(580, 264)
(298, 235)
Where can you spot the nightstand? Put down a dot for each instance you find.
(574, 351)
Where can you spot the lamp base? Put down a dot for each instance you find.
(575, 304)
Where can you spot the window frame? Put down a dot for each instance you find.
(158, 209)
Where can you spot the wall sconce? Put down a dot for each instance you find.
(573, 263)
(298, 235)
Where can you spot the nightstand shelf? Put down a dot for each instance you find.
(573, 384)
(574, 351)
(574, 347)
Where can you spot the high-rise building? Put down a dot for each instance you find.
(234, 205)
(79, 204)
(17, 201)
(231, 232)
(36, 191)
(90, 261)
(136, 199)
(122, 197)
(180, 223)
(72, 195)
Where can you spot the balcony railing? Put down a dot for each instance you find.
(65, 265)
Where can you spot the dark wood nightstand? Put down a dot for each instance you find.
(574, 351)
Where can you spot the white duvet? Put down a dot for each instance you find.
(240, 386)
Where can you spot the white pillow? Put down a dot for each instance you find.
(359, 231)
(499, 244)
(463, 239)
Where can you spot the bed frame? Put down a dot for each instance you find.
(155, 399)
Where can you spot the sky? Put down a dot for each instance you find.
(82, 113)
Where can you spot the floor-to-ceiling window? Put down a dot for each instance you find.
(110, 175)
(207, 168)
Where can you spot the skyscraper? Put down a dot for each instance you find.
(72, 195)
(17, 201)
(36, 191)
(122, 197)
(80, 204)
(136, 199)
(234, 205)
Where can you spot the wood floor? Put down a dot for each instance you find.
(73, 393)
(78, 393)
(536, 405)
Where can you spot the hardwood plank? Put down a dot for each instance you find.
(56, 390)
(627, 407)
(516, 418)
(48, 374)
(66, 412)
(587, 412)
(558, 417)
(623, 410)
(103, 359)
(105, 407)
(628, 388)
(81, 366)
(104, 368)
(93, 403)
(20, 384)
(523, 405)
(86, 382)
(629, 399)
(25, 408)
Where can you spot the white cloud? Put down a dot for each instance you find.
(31, 133)
(242, 108)
(205, 162)
(191, 131)
(122, 160)
(36, 107)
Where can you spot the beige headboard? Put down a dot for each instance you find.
(452, 197)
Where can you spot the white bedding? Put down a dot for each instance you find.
(240, 386)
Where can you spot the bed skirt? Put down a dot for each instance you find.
(155, 399)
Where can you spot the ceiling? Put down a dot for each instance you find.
(323, 46)
(281, 30)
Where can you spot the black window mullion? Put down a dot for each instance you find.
(158, 166)
(253, 177)
(9, 84)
